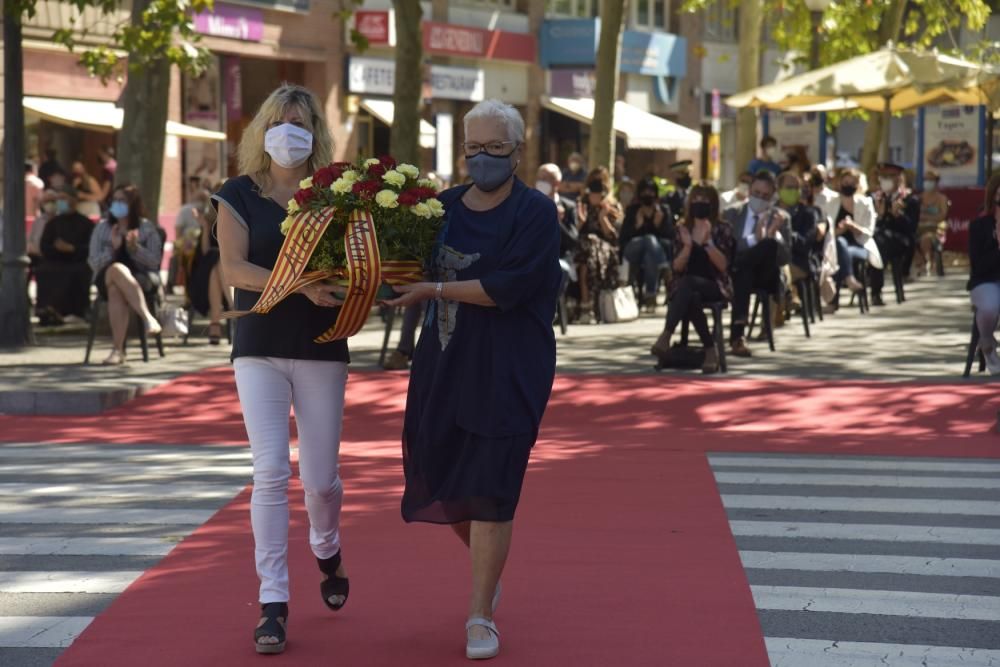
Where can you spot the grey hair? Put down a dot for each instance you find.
(552, 170)
(494, 108)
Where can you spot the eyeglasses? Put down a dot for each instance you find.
(494, 148)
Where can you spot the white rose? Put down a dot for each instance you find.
(387, 199)
(436, 207)
(342, 186)
(293, 207)
(427, 183)
(286, 225)
(408, 170)
(422, 210)
(306, 183)
(393, 177)
(351, 176)
(370, 161)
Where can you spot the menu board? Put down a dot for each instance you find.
(951, 144)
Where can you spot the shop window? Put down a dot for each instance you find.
(720, 22)
(651, 14)
(573, 8)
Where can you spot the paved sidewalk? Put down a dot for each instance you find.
(924, 338)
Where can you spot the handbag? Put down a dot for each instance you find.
(618, 305)
(174, 321)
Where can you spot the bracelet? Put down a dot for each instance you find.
(439, 291)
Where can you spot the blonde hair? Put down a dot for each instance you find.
(254, 162)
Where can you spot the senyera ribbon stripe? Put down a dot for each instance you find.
(364, 273)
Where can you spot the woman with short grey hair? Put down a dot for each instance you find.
(483, 370)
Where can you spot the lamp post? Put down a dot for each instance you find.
(816, 9)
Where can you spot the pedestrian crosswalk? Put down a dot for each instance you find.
(80, 523)
(857, 561)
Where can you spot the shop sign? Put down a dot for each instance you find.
(951, 144)
(373, 24)
(444, 39)
(242, 23)
(575, 83)
(574, 42)
(377, 77)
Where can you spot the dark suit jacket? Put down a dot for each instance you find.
(736, 217)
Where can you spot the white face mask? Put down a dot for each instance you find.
(544, 187)
(742, 190)
(288, 145)
(771, 152)
(887, 184)
(930, 186)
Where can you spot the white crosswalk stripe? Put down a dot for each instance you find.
(837, 585)
(88, 520)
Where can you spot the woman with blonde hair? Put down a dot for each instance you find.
(278, 366)
(599, 217)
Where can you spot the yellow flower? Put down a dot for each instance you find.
(393, 177)
(351, 176)
(408, 170)
(436, 207)
(286, 225)
(342, 186)
(306, 183)
(422, 210)
(386, 199)
(370, 161)
(292, 207)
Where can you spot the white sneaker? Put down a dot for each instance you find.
(992, 362)
(853, 284)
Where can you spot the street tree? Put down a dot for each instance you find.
(850, 28)
(609, 53)
(404, 136)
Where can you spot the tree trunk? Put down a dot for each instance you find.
(888, 31)
(751, 23)
(15, 317)
(404, 138)
(609, 51)
(144, 126)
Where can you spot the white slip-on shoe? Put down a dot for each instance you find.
(482, 649)
(992, 362)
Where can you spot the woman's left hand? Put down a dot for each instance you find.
(412, 294)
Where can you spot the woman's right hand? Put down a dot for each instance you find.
(321, 294)
(117, 237)
(685, 236)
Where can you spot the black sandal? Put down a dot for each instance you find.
(334, 585)
(273, 619)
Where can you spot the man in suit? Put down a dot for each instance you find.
(763, 238)
(897, 213)
(680, 183)
(548, 181)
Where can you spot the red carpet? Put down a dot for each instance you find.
(622, 552)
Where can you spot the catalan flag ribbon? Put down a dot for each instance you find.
(363, 275)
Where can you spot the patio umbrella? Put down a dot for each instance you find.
(890, 79)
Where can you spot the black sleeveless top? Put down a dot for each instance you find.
(288, 330)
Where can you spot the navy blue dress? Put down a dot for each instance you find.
(482, 376)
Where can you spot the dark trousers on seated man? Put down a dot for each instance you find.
(754, 268)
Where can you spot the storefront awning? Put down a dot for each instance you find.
(103, 117)
(384, 111)
(640, 129)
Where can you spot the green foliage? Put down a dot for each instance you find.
(165, 31)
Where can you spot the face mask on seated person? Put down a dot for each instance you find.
(595, 187)
(684, 182)
(544, 187)
(848, 190)
(759, 205)
(930, 186)
(789, 196)
(647, 199)
(700, 210)
(118, 210)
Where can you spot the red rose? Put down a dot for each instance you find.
(303, 197)
(423, 194)
(408, 198)
(378, 170)
(366, 189)
(388, 161)
(325, 176)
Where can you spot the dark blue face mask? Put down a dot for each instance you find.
(489, 172)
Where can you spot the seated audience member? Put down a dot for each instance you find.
(822, 194)
(62, 274)
(705, 246)
(206, 290)
(763, 236)
(187, 230)
(806, 248)
(574, 178)
(933, 228)
(625, 192)
(679, 181)
(897, 213)
(853, 220)
(647, 239)
(598, 217)
(548, 181)
(125, 253)
(984, 273)
(738, 195)
(47, 209)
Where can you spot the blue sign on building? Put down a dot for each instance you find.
(573, 42)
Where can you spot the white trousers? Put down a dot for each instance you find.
(268, 388)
